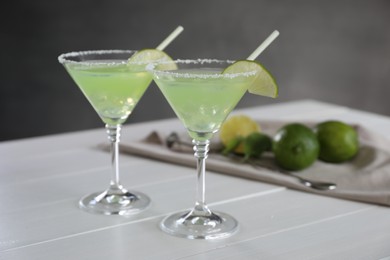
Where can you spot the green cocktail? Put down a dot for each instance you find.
(202, 95)
(211, 98)
(113, 85)
(114, 81)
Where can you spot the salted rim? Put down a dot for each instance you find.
(63, 58)
(173, 73)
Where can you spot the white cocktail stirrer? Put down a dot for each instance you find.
(263, 45)
(170, 38)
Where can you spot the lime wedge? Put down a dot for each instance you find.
(147, 56)
(263, 85)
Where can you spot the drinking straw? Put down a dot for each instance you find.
(263, 45)
(170, 38)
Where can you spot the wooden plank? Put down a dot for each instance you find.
(36, 214)
(40, 219)
(259, 216)
(363, 235)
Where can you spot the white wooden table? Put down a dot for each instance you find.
(41, 180)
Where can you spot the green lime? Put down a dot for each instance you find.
(232, 144)
(256, 143)
(144, 57)
(263, 85)
(234, 130)
(339, 142)
(295, 147)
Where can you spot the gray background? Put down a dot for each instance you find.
(334, 51)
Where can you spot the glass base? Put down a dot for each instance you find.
(108, 203)
(195, 225)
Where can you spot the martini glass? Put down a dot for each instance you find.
(202, 97)
(113, 87)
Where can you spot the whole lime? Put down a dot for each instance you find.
(295, 147)
(256, 143)
(339, 142)
(235, 129)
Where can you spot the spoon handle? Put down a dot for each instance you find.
(317, 185)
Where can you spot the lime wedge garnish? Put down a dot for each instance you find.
(263, 85)
(147, 56)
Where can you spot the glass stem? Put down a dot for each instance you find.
(113, 132)
(201, 149)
